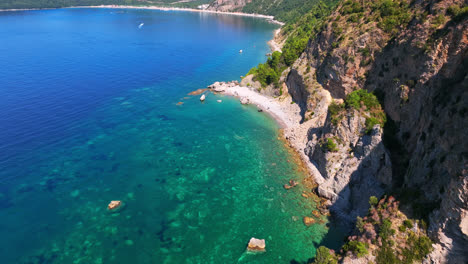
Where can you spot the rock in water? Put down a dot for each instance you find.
(308, 220)
(256, 245)
(202, 98)
(114, 205)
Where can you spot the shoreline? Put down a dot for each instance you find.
(181, 9)
(286, 113)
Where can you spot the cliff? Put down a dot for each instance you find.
(228, 5)
(412, 55)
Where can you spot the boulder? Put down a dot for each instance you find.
(293, 183)
(198, 92)
(256, 245)
(114, 205)
(308, 220)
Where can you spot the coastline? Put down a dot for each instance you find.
(286, 113)
(269, 18)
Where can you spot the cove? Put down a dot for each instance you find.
(89, 113)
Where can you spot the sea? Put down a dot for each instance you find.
(94, 107)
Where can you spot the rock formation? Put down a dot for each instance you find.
(256, 245)
(417, 67)
(228, 5)
(114, 205)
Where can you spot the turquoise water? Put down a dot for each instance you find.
(89, 114)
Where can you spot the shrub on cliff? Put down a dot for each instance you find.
(298, 34)
(325, 256)
(335, 110)
(330, 145)
(418, 248)
(373, 201)
(358, 248)
(367, 102)
(386, 255)
(386, 230)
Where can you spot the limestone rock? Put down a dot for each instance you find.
(256, 245)
(308, 220)
(114, 205)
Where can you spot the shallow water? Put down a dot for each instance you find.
(89, 114)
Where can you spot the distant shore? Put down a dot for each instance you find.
(269, 18)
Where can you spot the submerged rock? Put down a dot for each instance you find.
(256, 245)
(293, 183)
(308, 220)
(198, 92)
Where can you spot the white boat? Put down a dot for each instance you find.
(141, 25)
(240, 51)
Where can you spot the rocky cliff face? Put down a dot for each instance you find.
(418, 68)
(228, 5)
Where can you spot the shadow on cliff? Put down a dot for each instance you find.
(427, 143)
(353, 200)
(298, 91)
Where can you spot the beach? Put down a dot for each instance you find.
(269, 18)
(286, 113)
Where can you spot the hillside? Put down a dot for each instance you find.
(384, 83)
(26, 4)
(288, 11)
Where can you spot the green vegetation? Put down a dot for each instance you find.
(390, 15)
(407, 223)
(404, 247)
(330, 145)
(458, 13)
(269, 72)
(299, 34)
(360, 224)
(288, 11)
(419, 247)
(386, 256)
(373, 201)
(335, 110)
(324, 256)
(386, 230)
(393, 14)
(358, 248)
(24, 4)
(362, 99)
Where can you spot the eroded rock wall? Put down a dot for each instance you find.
(420, 75)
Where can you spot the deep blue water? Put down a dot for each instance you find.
(89, 114)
